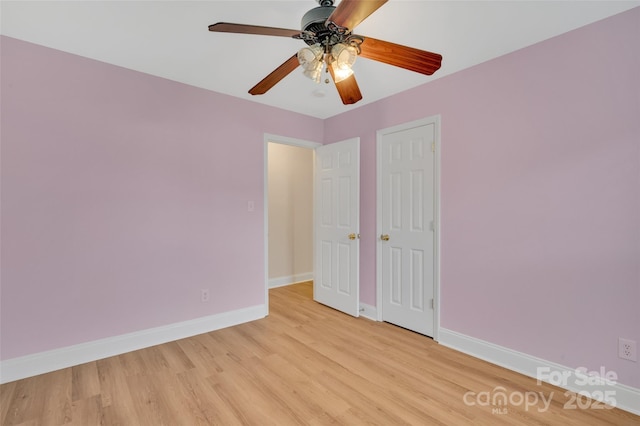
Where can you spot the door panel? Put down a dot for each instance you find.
(337, 177)
(407, 192)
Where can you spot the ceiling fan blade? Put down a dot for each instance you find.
(350, 13)
(347, 88)
(226, 27)
(401, 56)
(276, 75)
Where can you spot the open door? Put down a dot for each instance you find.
(336, 226)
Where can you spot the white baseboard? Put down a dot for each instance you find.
(626, 397)
(368, 311)
(290, 279)
(44, 362)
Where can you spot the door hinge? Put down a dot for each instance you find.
(433, 305)
(433, 147)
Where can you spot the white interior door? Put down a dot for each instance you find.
(336, 223)
(406, 223)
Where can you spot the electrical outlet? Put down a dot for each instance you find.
(627, 349)
(204, 295)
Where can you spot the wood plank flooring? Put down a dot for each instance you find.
(305, 364)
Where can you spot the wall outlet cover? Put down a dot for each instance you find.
(627, 349)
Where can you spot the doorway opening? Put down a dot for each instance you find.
(288, 211)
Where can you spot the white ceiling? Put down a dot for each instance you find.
(170, 39)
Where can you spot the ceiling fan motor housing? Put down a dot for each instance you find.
(314, 20)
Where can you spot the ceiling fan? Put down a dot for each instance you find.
(327, 30)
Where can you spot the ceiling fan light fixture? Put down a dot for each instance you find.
(344, 55)
(314, 74)
(310, 59)
(310, 56)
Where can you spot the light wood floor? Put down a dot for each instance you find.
(305, 364)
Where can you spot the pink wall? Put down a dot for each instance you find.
(540, 194)
(122, 196)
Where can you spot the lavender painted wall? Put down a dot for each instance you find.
(540, 194)
(122, 196)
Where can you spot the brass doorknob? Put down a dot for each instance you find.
(384, 237)
(354, 236)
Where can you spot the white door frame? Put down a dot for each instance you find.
(285, 141)
(436, 222)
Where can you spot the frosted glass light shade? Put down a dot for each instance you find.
(344, 55)
(309, 57)
(314, 74)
